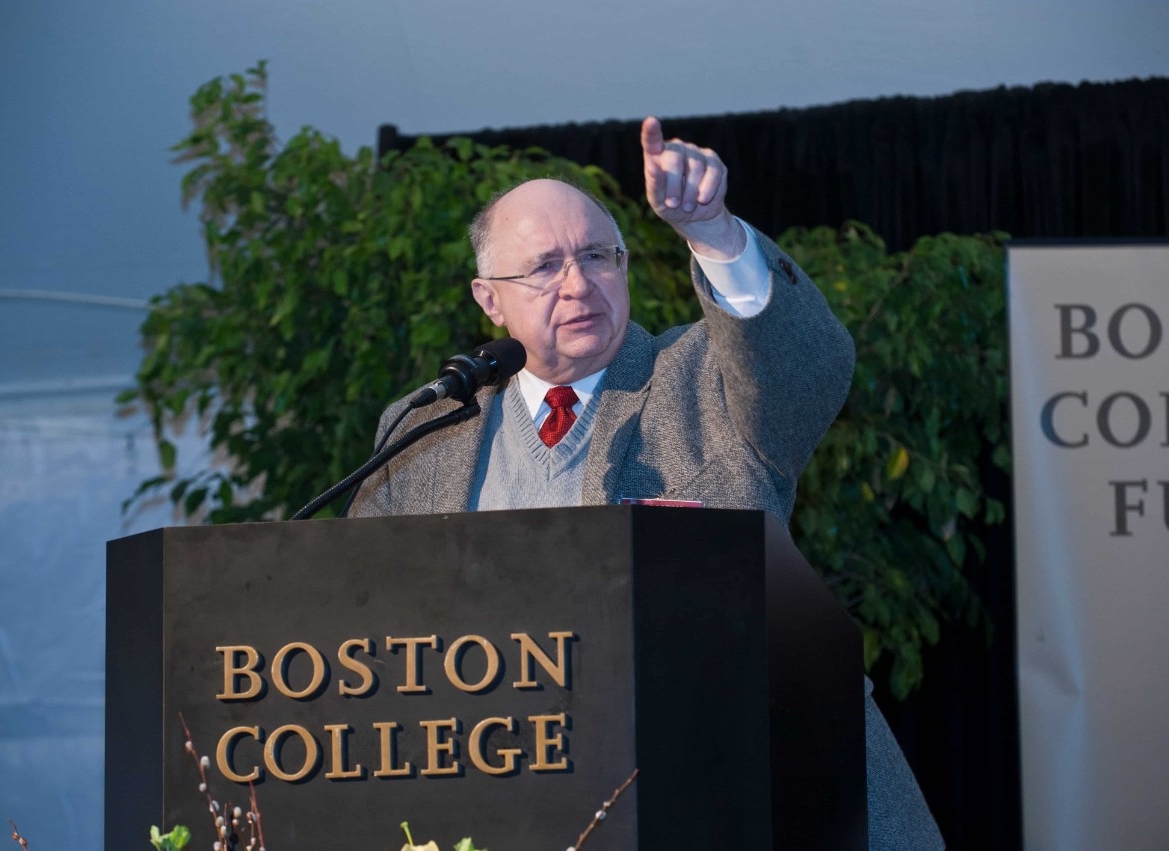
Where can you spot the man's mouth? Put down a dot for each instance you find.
(580, 320)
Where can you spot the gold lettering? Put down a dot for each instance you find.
(530, 650)
(232, 670)
(226, 750)
(345, 657)
(413, 660)
(475, 747)
(545, 740)
(340, 753)
(436, 746)
(273, 751)
(280, 664)
(387, 732)
(453, 661)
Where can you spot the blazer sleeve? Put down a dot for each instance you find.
(786, 370)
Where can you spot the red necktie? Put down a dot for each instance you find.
(560, 400)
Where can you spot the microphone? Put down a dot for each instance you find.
(458, 378)
(462, 375)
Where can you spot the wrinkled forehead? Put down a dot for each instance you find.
(548, 215)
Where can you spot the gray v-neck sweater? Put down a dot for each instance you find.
(516, 469)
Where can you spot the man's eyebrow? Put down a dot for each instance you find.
(548, 255)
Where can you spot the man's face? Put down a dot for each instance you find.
(572, 330)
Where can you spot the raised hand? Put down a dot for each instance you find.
(687, 186)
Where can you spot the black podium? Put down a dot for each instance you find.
(495, 675)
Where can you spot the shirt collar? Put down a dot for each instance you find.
(534, 389)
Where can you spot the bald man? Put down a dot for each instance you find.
(726, 411)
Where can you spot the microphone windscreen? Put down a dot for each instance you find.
(509, 352)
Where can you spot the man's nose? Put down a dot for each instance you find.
(574, 282)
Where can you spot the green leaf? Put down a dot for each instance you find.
(194, 500)
(462, 148)
(897, 464)
(995, 512)
(180, 837)
(316, 360)
(956, 547)
(179, 489)
(176, 840)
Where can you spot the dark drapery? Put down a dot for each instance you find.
(1050, 161)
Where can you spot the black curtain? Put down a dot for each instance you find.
(1051, 161)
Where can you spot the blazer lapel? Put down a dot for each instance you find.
(455, 459)
(623, 390)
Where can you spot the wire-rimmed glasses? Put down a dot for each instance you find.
(597, 263)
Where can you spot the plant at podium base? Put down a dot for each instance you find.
(228, 820)
(339, 283)
(464, 844)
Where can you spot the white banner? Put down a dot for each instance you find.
(1090, 419)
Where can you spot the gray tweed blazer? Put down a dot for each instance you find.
(726, 411)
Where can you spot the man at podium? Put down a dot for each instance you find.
(725, 412)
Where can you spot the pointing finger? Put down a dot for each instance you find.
(656, 176)
(652, 141)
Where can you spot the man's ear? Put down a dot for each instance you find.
(485, 295)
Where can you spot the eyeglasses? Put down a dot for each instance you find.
(599, 263)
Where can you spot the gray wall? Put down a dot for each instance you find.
(94, 93)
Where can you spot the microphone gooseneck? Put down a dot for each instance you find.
(458, 378)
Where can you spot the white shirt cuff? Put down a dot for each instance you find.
(742, 285)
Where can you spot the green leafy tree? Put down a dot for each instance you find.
(892, 507)
(340, 283)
